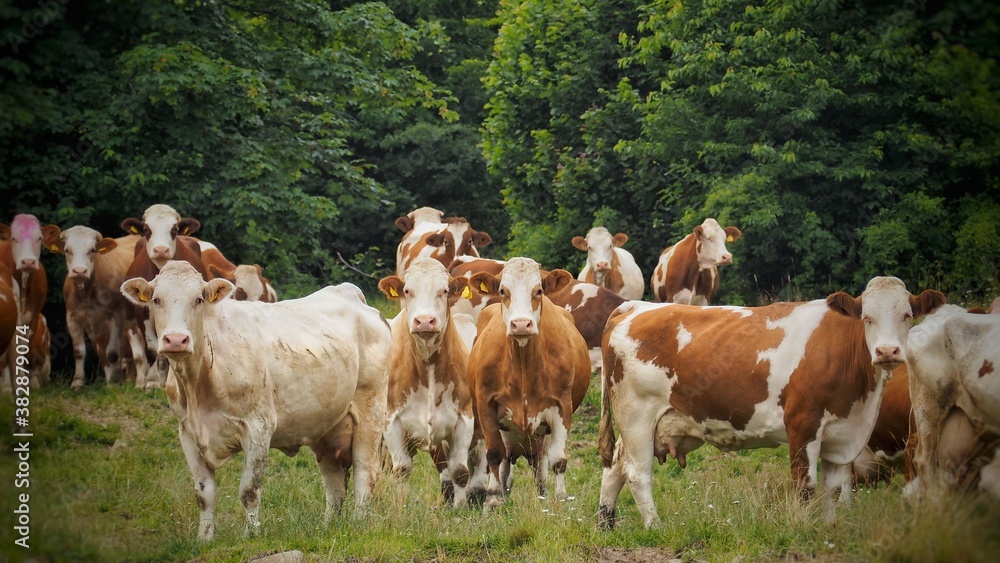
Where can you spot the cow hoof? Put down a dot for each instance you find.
(76, 385)
(606, 518)
(476, 497)
(492, 501)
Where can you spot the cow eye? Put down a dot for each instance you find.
(443, 292)
(198, 301)
(156, 301)
(867, 320)
(538, 292)
(407, 292)
(907, 316)
(503, 292)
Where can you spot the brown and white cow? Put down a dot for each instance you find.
(954, 363)
(688, 272)
(810, 375)
(529, 371)
(426, 235)
(95, 309)
(253, 376)
(589, 304)
(164, 237)
(249, 281)
(9, 322)
(20, 252)
(430, 406)
(609, 265)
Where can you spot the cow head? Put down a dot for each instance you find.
(160, 226)
(426, 295)
(26, 235)
(600, 248)
(81, 245)
(886, 308)
(177, 300)
(710, 244)
(417, 216)
(458, 238)
(247, 279)
(520, 287)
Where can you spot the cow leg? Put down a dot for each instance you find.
(440, 458)
(928, 414)
(612, 481)
(114, 372)
(542, 464)
(836, 477)
(254, 465)
(496, 454)
(138, 357)
(396, 443)
(458, 459)
(204, 485)
(335, 477)
(79, 350)
(476, 491)
(557, 452)
(804, 457)
(636, 449)
(369, 425)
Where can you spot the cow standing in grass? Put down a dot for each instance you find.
(252, 376)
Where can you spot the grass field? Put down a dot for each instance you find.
(108, 482)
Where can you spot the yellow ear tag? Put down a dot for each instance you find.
(54, 248)
(483, 288)
(730, 238)
(467, 293)
(143, 297)
(393, 292)
(133, 230)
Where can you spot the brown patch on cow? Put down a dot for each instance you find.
(717, 373)
(987, 368)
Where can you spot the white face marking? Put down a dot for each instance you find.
(80, 250)
(161, 220)
(600, 252)
(712, 251)
(886, 312)
(425, 297)
(522, 283)
(26, 242)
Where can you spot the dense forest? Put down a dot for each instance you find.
(844, 138)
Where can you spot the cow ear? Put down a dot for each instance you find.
(732, 233)
(138, 291)
(404, 224)
(216, 290)
(220, 273)
(106, 245)
(698, 231)
(391, 286)
(555, 280)
(260, 271)
(481, 239)
(459, 287)
(927, 302)
(844, 304)
(485, 283)
(132, 226)
(619, 239)
(436, 239)
(977, 311)
(188, 227)
(580, 243)
(4, 232)
(50, 236)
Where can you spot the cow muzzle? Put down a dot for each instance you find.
(175, 343)
(726, 260)
(80, 273)
(602, 267)
(522, 327)
(425, 324)
(888, 357)
(28, 265)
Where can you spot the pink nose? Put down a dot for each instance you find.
(425, 323)
(175, 342)
(888, 355)
(161, 252)
(28, 264)
(602, 266)
(80, 272)
(521, 327)
(726, 259)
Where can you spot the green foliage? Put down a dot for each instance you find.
(818, 128)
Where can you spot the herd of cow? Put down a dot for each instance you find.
(488, 360)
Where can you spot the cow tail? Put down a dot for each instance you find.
(606, 432)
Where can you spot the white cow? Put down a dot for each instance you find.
(252, 376)
(430, 406)
(609, 265)
(954, 364)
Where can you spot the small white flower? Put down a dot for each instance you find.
(736, 502)
(710, 505)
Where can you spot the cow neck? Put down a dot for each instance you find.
(857, 377)
(612, 279)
